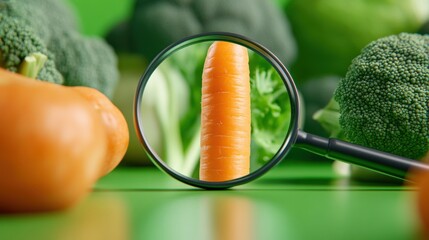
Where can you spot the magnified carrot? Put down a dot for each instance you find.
(225, 113)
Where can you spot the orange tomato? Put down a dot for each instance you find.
(51, 145)
(115, 125)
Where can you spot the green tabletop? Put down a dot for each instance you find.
(292, 201)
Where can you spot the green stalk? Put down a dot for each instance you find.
(192, 154)
(329, 119)
(32, 64)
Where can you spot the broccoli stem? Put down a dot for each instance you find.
(329, 119)
(32, 64)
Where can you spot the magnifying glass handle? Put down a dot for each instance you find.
(382, 162)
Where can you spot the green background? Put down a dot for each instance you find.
(97, 16)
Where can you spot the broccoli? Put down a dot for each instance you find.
(45, 17)
(383, 99)
(85, 61)
(155, 24)
(17, 41)
(52, 27)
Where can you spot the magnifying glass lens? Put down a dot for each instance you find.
(214, 111)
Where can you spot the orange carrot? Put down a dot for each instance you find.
(225, 113)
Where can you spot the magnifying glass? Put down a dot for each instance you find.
(217, 110)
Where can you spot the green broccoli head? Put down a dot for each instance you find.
(87, 61)
(45, 17)
(155, 24)
(384, 96)
(50, 27)
(17, 41)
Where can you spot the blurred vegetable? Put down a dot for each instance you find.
(86, 61)
(422, 201)
(50, 27)
(282, 3)
(270, 112)
(46, 18)
(329, 119)
(316, 94)
(382, 101)
(154, 24)
(331, 33)
(56, 141)
(164, 106)
(425, 28)
(171, 108)
(51, 147)
(114, 124)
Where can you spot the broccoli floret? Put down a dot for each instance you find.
(17, 41)
(384, 96)
(85, 61)
(45, 17)
(81, 60)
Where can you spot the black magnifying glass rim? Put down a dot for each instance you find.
(250, 44)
